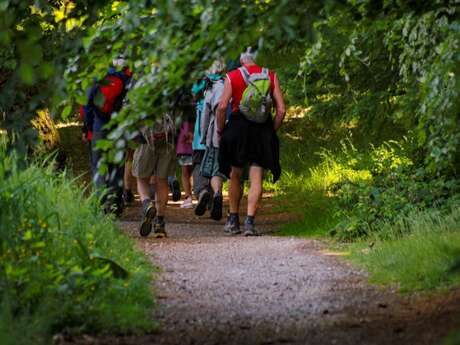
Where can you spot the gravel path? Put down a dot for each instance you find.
(215, 289)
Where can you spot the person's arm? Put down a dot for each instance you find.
(222, 107)
(279, 104)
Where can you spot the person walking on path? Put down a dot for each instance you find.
(200, 183)
(105, 98)
(249, 137)
(155, 157)
(210, 164)
(184, 158)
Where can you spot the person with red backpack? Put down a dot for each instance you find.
(249, 137)
(105, 98)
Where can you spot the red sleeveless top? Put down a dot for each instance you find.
(238, 84)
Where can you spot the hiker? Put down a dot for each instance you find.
(184, 153)
(249, 137)
(155, 157)
(200, 183)
(105, 98)
(210, 164)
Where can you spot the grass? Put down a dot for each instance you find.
(307, 173)
(417, 252)
(64, 264)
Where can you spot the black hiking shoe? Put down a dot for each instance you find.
(203, 199)
(232, 227)
(148, 214)
(216, 209)
(128, 196)
(114, 207)
(249, 229)
(159, 230)
(175, 190)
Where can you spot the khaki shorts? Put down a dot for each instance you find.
(159, 161)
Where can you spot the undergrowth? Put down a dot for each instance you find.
(64, 266)
(357, 189)
(416, 252)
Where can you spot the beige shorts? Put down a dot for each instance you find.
(159, 161)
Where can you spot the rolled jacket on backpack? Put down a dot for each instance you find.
(210, 136)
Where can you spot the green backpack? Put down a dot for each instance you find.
(256, 102)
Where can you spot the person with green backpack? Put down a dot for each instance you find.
(249, 137)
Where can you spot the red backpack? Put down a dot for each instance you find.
(109, 94)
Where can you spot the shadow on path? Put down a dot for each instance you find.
(215, 289)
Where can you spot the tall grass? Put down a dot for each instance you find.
(417, 252)
(63, 264)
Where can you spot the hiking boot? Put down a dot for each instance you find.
(159, 230)
(187, 203)
(216, 209)
(115, 208)
(128, 196)
(203, 199)
(148, 214)
(250, 229)
(232, 227)
(175, 190)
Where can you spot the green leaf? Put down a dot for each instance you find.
(26, 72)
(117, 270)
(66, 112)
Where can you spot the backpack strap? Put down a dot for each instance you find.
(245, 74)
(266, 72)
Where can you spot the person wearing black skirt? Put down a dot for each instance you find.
(244, 142)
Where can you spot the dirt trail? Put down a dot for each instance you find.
(215, 289)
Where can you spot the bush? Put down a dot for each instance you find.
(63, 263)
(394, 190)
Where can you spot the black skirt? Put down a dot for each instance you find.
(245, 142)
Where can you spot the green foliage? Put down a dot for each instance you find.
(36, 40)
(389, 62)
(418, 253)
(311, 168)
(63, 263)
(372, 62)
(394, 189)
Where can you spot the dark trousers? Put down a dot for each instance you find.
(199, 181)
(110, 184)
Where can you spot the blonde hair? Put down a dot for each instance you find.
(217, 67)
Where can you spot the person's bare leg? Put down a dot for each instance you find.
(232, 227)
(143, 188)
(256, 174)
(128, 175)
(186, 183)
(216, 184)
(148, 209)
(161, 196)
(234, 190)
